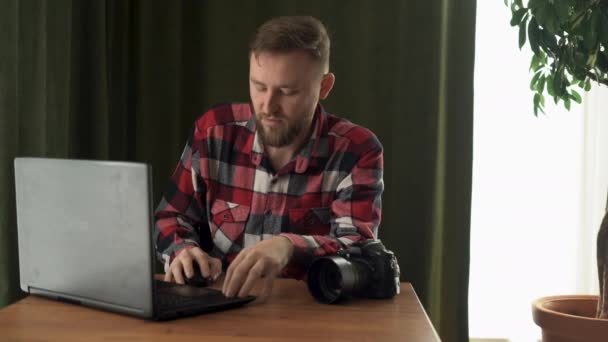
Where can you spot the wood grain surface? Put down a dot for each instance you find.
(289, 314)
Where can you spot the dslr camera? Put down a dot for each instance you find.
(365, 269)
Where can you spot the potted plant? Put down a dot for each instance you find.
(569, 39)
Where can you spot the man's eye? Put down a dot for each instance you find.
(289, 92)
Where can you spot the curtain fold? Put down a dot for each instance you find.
(9, 276)
(124, 80)
(453, 176)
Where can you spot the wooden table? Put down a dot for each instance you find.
(289, 314)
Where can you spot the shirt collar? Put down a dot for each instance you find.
(315, 147)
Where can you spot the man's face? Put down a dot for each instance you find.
(285, 89)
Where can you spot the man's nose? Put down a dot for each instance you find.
(270, 103)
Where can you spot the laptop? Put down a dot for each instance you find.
(85, 237)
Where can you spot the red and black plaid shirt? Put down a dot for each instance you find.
(225, 194)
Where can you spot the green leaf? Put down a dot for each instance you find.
(591, 30)
(551, 23)
(588, 85)
(546, 16)
(591, 60)
(542, 102)
(549, 40)
(534, 80)
(581, 84)
(517, 16)
(519, 3)
(602, 61)
(603, 33)
(576, 96)
(539, 103)
(536, 62)
(579, 72)
(562, 9)
(580, 58)
(533, 35)
(535, 4)
(522, 34)
(577, 18)
(557, 84)
(550, 89)
(567, 103)
(540, 87)
(540, 13)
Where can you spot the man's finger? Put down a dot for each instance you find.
(238, 276)
(233, 265)
(216, 267)
(256, 272)
(230, 271)
(187, 266)
(168, 276)
(178, 273)
(268, 284)
(203, 262)
(227, 279)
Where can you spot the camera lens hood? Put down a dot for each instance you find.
(331, 279)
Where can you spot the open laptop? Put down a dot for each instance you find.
(85, 237)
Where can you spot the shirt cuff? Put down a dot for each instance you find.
(301, 258)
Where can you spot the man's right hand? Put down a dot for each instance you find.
(187, 259)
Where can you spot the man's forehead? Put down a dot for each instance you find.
(280, 84)
(260, 57)
(291, 67)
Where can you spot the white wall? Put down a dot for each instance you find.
(534, 180)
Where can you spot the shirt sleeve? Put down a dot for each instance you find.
(181, 212)
(355, 212)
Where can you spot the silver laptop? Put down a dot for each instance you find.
(85, 237)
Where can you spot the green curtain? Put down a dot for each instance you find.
(124, 80)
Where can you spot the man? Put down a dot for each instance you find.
(265, 187)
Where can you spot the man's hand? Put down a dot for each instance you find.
(186, 260)
(263, 261)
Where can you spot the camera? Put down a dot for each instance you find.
(365, 269)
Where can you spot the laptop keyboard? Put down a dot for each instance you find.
(171, 296)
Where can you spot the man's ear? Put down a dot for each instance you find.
(326, 85)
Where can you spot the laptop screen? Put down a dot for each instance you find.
(84, 231)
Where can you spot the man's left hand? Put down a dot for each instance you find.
(265, 260)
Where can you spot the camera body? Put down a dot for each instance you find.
(365, 269)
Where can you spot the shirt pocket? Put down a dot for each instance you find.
(310, 221)
(230, 218)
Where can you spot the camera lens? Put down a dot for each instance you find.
(333, 278)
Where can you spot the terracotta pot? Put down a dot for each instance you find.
(569, 319)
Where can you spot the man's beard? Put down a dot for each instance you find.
(282, 133)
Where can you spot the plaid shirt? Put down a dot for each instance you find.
(224, 193)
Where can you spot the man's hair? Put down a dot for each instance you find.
(287, 34)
